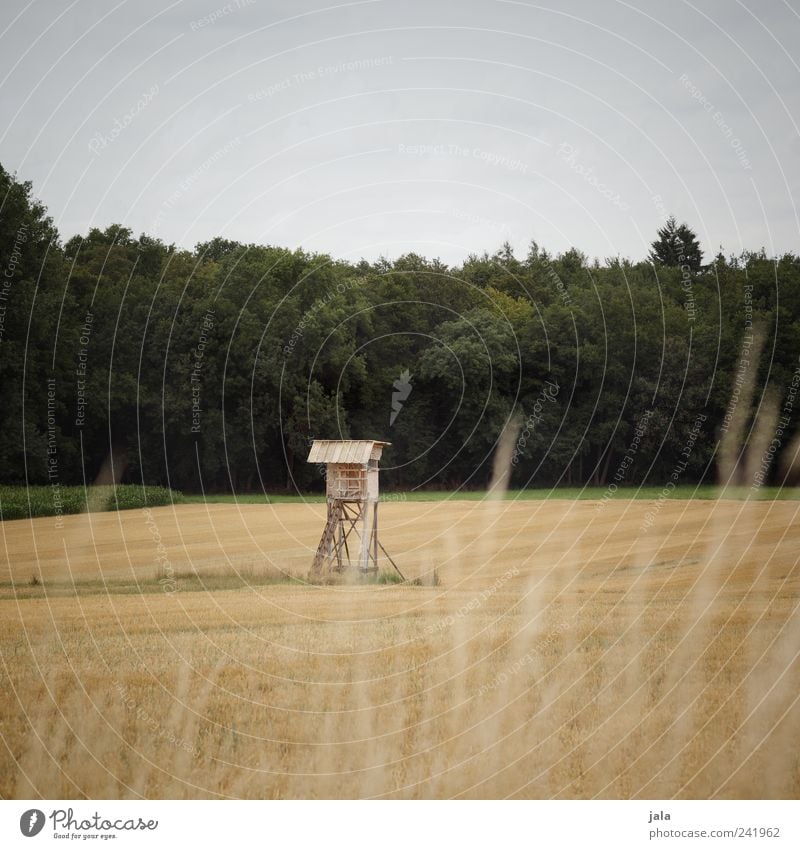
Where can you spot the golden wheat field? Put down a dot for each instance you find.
(570, 649)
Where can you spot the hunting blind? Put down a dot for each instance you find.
(351, 487)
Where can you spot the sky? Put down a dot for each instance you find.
(378, 128)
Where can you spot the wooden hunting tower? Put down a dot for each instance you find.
(351, 486)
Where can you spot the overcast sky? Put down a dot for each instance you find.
(388, 126)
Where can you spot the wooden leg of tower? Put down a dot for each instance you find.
(375, 535)
(363, 559)
(340, 540)
(346, 533)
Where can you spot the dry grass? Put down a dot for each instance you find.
(566, 653)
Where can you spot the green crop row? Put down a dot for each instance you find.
(22, 502)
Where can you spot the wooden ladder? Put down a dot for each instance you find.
(327, 541)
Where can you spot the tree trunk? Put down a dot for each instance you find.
(289, 469)
(604, 473)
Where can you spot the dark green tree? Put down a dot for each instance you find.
(676, 245)
(32, 366)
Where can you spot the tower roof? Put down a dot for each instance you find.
(344, 450)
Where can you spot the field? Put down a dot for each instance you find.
(571, 649)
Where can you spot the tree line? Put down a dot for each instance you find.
(126, 359)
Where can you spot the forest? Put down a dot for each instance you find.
(129, 360)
